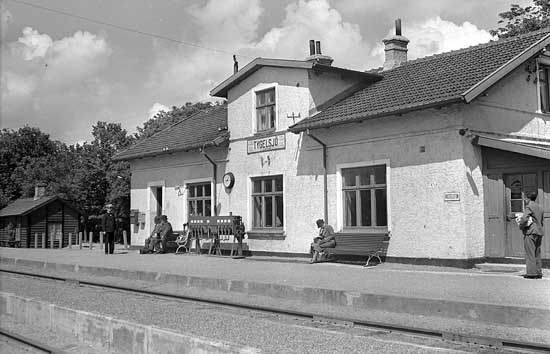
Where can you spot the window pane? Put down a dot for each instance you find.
(207, 190)
(381, 209)
(544, 90)
(350, 212)
(271, 96)
(268, 211)
(191, 191)
(268, 185)
(366, 212)
(279, 184)
(365, 174)
(192, 210)
(279, 212)
(257, 212)
(271, 115)
(515, 188)
(200, 209)
(199, 191)
(207, 208)
(516, 206)
(380, 174)
(349, 176)
(257, 188)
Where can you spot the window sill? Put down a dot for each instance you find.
(266, 234)
(265, 133)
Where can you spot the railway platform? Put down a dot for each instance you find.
(471, 300)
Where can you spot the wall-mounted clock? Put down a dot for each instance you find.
(228, 180)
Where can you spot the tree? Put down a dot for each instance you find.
(519, 20)
(18, 148)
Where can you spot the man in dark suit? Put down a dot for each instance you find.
(108, 226)
(531, 223)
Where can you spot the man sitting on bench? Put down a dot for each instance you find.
(326, 239)
(151, 241)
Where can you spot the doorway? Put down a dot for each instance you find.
(516, 186)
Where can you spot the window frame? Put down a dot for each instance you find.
(263, 194)
(195, 199)
(341, 217)
(543, 90)
(257, 108)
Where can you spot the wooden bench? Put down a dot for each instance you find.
(360, 244)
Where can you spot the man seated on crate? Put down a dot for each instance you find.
(155, 235)
(326, 239)
(166, 234)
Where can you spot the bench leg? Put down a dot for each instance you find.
(368, 260)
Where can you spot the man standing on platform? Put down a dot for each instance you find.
(108, 226)
(531, 223)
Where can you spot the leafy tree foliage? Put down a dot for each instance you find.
(519, 20)
(84, 174)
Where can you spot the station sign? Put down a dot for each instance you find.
(274, 142)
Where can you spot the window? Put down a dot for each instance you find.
(55, 231)
(199, 199)
(265, 110)
(544, 89)
(267, 202)
(364, 196)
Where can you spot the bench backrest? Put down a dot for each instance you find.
(361, 243)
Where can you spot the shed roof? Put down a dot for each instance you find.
(204, 128)
(24, 206)
(457, 76)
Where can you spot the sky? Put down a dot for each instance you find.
(62, 73)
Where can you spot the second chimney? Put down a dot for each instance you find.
(315, 54)
(39, 190)
(395, 48)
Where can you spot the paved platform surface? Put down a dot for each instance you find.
(424, 282)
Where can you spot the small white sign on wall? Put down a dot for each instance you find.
(451, 197)
(275, 142)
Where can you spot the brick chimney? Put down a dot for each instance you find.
(315, 54)
(395, 48)
(39, 190)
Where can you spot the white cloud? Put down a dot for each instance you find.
(35, 45)
(156, 108)
(437, 36)
(50, 83)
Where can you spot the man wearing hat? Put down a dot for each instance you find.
(108, 226)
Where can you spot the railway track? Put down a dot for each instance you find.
(493, 342)
(25, 344)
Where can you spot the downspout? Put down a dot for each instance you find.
(214, 173)
(325, 182)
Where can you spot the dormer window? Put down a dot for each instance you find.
(265, 110)
(544, 88)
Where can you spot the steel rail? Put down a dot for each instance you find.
(29, 342)
(496, 342)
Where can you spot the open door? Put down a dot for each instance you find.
(516, 187)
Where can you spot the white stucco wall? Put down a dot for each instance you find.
(168, 171)
(425, 155)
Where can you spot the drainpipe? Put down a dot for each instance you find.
(214, 173)
(325, 185)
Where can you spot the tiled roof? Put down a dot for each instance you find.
(435, 80)
(23, 206)
(187, 134)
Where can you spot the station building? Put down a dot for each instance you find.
(437, 152)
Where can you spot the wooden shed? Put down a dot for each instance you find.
(39, 221)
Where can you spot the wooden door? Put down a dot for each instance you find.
(516, 187)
